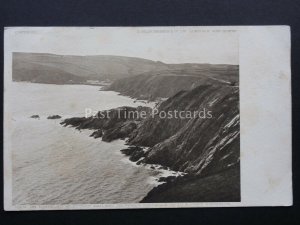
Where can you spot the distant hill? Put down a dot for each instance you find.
(60, 69)
(136, 77)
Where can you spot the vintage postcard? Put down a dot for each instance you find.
(147, 117)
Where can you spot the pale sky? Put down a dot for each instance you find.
(166, 44)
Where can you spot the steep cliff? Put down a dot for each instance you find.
(197, 145)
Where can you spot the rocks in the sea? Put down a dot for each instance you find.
(139, 162)
(134, 152)
(54, 117)
(75, 121)
(163, 168)
(129, 150)
(97, 134)
(35, 117)
(167, 179)
(136, 156)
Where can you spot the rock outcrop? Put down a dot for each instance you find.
(54, 117)
(112, 124)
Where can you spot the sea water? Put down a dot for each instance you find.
(53, 164)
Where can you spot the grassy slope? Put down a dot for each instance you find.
(87, 67)
(166, 83)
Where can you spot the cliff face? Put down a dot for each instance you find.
(208, 149)
(197, 145)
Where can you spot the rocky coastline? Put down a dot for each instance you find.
(206, 150)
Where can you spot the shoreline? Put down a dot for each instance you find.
(204, 157)
(88, 84)
(170, 184)
(163, 172)
(163, 175)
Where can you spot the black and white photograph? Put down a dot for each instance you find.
(122, 117)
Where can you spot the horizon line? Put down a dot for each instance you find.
(134, 57)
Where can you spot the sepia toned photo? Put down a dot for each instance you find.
(122, 117)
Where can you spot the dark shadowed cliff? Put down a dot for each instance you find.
(208, 150)
(198, 145)
(220, 187)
